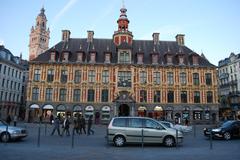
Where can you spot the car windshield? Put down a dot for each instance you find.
(227, 124)
(3, 123)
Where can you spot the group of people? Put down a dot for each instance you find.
(79, 125)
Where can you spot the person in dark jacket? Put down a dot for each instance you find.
(56, 125)
(89, 131)
(66, 125)
(82, 125)
(8, 120)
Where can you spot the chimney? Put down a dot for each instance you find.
(90, 36)
(155, 38)
(65, 35)
(180, 39)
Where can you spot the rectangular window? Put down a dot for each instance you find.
(91, 95)
(9, 70)
(36, 75)
(143, 96)
(124, 79)
(183, 78)
(12, 72)
(35, 94)
(0, 68)
(11, 85)
(143, 77)
(157, 96)
(156, 78)
(49, 92)
(105, 76)
(105, 95)
(170, 78)
(170, 96)
(5, 68)
(64, 76)
(62, 96)
(91, 76)
(7, 83)
(77, 77)
(195, 78)
(16, 73)
(20, 74)
(184, 96)
(208, 79)
(209, 97)
(196, 97)
(50, 75)
(76, 95)
(3, 82)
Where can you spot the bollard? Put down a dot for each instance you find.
(176, 138)
(194, 130)
(142, 140)
(211, 145)
(39, 131)
(73, 138)
(45, 129)
(6, 134)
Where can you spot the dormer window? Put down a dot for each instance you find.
(80, 57)
(169, 59)
(53, 55)
(93, 57)
(140, 58)
(107, 58)
(124, 57)
(65, 56)
(181, 60)
(195, 60)
(154, 59)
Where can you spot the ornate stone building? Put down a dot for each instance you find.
(39, 36)
(123, 77)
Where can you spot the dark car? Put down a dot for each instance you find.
(228, 130)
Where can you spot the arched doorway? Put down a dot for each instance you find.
(124, 110)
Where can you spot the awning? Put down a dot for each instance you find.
(89, 108)
(77, 109)
(158, 108)
(106, 108)
(61, 108)
(142, 108)
(34, 106)
(48, 106)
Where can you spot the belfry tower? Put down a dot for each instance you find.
(39, 36)
(122, 34)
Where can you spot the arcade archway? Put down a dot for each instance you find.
(124, 110)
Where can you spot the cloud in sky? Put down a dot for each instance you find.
(166, 30)
(62, 12)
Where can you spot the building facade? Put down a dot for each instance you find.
(11, 82)
(229, 87)
(122, 76)
(39, 36)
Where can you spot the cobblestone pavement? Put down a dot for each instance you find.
(94, 147)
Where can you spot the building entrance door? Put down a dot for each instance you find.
(123, 110)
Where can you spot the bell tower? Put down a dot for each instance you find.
(122, 34)
(39, 36)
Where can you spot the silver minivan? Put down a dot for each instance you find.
(123, 130)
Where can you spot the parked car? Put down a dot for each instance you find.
(122, 130)
(227, 130)
(179, 127)
(8, 133)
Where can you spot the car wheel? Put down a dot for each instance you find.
(169, 141)
(5, 137)
(119, 141)
(227, 136)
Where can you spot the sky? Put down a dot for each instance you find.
(211, 27)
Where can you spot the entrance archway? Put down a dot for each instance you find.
(124, 110)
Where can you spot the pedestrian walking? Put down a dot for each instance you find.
(9, 119)
(51, 119)
(56, 125)
(82, 125)
(75, 126)
(15, 120)
(66, 125)
(89, 131)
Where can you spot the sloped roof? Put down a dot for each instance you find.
(147, 47)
